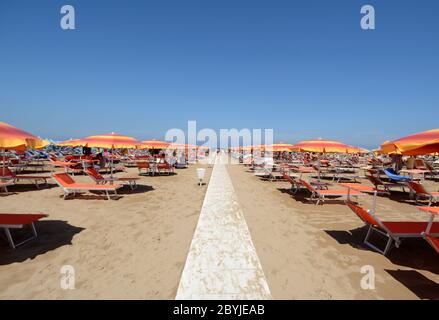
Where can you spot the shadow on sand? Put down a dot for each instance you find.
(99, 195)
(304, 197)
(52, 234)
(417, 283)
(413, 253)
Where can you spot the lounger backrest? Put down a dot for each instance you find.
(362, 213)
(6, 172)
(63, 179)
(94, 174)
(308, 186)
(418, 188)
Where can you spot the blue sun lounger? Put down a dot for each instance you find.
(392, 175)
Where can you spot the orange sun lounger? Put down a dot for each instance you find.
(421, 193)
(320, 195)
(99, 179)
(394, 231)
(6, 173)
(362, 188)
(69, 186)
(17, 221)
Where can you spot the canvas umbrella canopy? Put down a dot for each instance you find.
(107, 141)
(279, 147)
(14, 138)
(324, 146)
(69, 143)
(154, 144)
(426, 142)
(110, 141)
(358, 150)
(181, 146)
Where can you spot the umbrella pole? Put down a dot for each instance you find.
(4, 161)
(111, 169)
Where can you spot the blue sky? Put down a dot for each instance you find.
(304, 68)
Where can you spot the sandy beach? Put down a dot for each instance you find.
(316, 252)
(131, 248)
(135, 247)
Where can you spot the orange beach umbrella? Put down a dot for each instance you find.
(416, 144)
(107, 141)
(279, 147)
(12, 137)
(324, 146)
(154, 144)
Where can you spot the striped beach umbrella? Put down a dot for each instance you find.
(426, 142)
(324, 146)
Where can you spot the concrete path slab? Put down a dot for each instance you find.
(222, 262)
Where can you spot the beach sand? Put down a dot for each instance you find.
(316, 252)
(136, 247)
(131, 248)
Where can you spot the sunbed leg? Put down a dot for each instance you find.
(8, 235)
(389, 243)
(318, 201)
(108, 195)
(368, 234)
(34, 231)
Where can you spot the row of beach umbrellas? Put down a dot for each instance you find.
(317, 146)
(417, 144)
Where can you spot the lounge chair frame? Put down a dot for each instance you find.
(9, 237)
(383, 230)
(72, 190)
(318, 196)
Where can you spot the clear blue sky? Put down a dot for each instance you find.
(304, 68)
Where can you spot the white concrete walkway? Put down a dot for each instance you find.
(222, 262)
